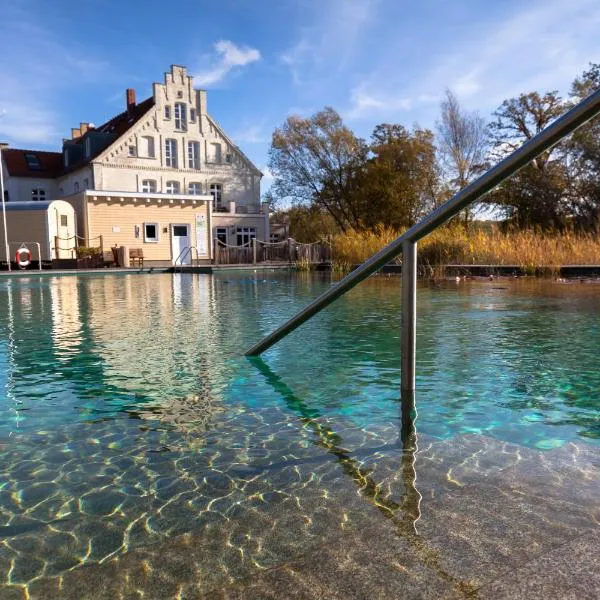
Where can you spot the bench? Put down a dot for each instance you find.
(136, 254)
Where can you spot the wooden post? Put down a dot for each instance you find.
(290, 251)
(254, 251)
(215, 251)
(56, 247)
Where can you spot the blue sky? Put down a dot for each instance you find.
(66, 61)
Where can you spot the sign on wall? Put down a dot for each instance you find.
(201, 234)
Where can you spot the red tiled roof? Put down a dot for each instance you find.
(50, 163)
(122, 122)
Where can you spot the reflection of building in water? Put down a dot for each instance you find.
(66, 314)
(144, 326)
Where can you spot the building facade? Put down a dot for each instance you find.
(163, 152)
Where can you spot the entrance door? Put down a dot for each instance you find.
(180, 240)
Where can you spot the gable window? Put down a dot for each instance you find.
(180, 116)
(194, 155)
(192, 115)
(167, 111)
(194, 188)
(216, 191)
(132, 151)
(147, 146)
(33, 162)
(38, 194)
(215, 153)
(151, 232)
(228, 158)
(149, 186)
(244, 235)
(172, 187)
(171, 153)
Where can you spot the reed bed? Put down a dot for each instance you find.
(530, 250)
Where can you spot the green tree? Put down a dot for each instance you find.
(538, 194)
(584, 157)
(400, 181)
(314, 160)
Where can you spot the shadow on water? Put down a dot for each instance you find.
(405, 513)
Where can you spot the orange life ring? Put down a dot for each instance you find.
(18, 257)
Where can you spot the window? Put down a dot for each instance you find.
(192, 115)
(195, 188)
(151, 232)
(38, 194)
(171, 153)
(180, 116)
(228, 158)
(132, 151)
(147, 146)
(221, 234)
(215, 153)
(33, 162)
(216, 191)
(167, 111)
(180, 94)
(86, 183)
(194, 155)
(61, 191)
(6, 197)
(172, 187)
(64, 222)
(244, 235)
(88, 147)
(149, 186)
(76, 186)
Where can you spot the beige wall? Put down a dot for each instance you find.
(259, 222)
(116, 221)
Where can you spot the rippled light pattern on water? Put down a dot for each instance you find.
(129, 415)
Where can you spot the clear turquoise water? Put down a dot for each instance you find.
(129, 414)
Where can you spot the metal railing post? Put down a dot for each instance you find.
(409, 316)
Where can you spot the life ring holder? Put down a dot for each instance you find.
(23, 264)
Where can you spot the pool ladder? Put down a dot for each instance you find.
(187, 251)
(406, 244)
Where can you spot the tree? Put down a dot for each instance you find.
(537, 194)
(400, 181)
(314, 160)
(584, 157)
(463, 142)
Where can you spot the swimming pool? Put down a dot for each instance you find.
(130, 420)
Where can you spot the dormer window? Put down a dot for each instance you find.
(33, 162)
(180, 116)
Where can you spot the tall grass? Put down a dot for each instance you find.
(529, 250)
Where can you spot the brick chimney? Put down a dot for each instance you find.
(130, 100)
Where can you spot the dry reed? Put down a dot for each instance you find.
(528, 250)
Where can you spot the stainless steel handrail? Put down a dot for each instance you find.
(183, 254)
(552, 134)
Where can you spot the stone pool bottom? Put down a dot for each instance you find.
(468, 517)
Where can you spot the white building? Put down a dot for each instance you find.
(162, 150)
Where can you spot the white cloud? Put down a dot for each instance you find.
(366, 104)
(230, 56)
(329, 40)
(40, 66)
(253, 134)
